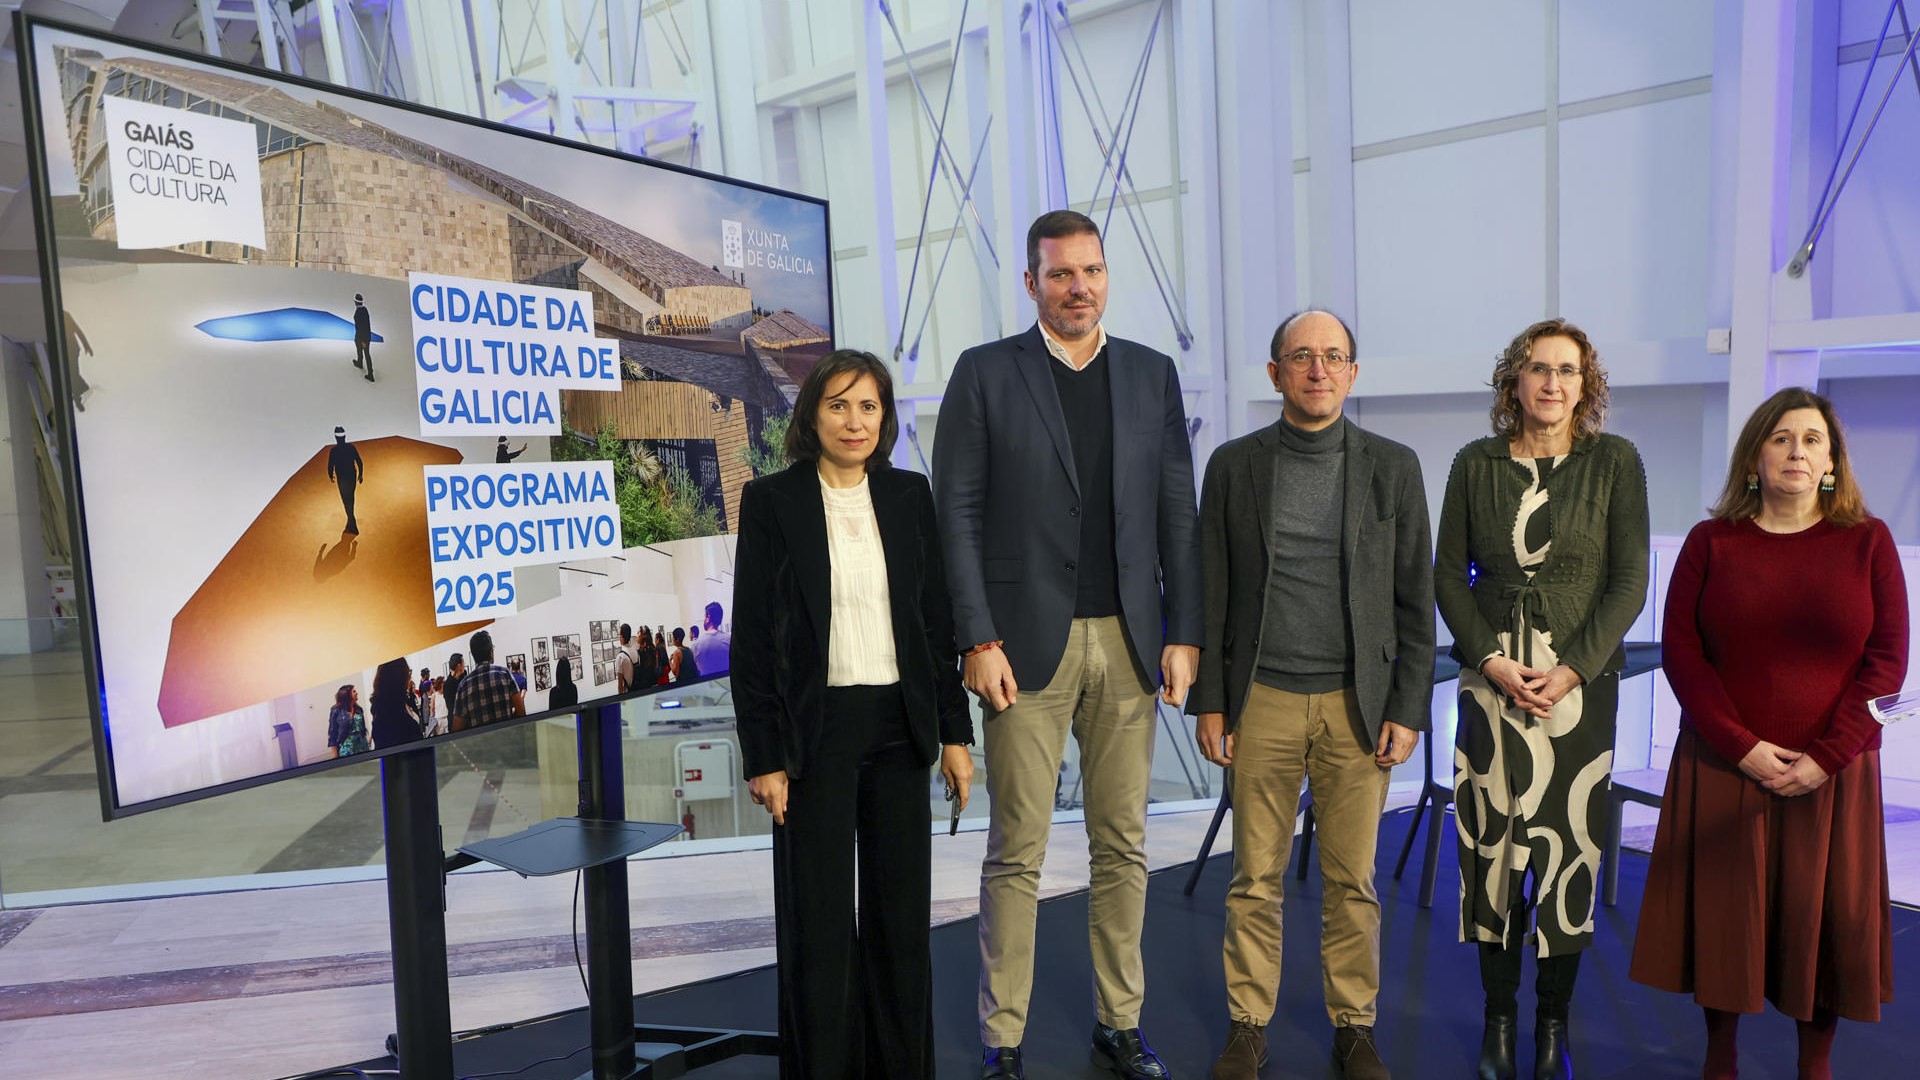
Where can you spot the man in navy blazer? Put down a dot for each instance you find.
(1066, 501)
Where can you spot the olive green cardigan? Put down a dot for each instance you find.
(1594, 581)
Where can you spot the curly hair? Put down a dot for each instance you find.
(1591, 411)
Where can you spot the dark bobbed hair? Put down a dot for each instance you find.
(563, 672)
(1588, 416)
(626, 633)
(1280, 335)
(803, 440)
(1053, 225)
(1844, 505)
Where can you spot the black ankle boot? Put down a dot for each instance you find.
(1497, 1048)
(1552, 1060)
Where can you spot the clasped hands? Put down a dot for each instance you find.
(1782, 771)
(1534, 692)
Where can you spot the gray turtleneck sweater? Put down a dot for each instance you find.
(1305, 647)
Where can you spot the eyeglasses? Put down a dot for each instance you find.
(1567, 372)
(1333, 360)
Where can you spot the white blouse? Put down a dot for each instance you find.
(860, 631)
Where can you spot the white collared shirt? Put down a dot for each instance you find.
(1059, 351)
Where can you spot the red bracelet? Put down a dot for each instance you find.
(982, 647)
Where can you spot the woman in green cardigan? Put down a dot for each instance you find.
(1540, 569)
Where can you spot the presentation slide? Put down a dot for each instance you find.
(384, 421)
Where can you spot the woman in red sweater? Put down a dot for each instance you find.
(1787, 612)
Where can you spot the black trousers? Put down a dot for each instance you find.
(856, 989)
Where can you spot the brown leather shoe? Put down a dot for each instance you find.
(1245, 1055)
(1353, 1052)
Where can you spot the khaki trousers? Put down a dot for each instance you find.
(1096, 693)
(1281, 736)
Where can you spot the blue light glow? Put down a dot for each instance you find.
(283, 324)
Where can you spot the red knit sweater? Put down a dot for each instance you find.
(1786, 637)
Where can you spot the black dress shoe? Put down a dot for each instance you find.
(1497, 1048)
(1002, 1063)
(1127, 1054)
(1552, 1059)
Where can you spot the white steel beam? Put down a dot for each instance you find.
(1011, 100)
(1761, 219)
(976, 75)
(739, 118)
(1256, 150)
(1861, 332)
(1334, 283)
(354, 49)
(209, 29)
(330, 42)
(1192, 63)
(882, 326)
(269, 38)
(560, 72)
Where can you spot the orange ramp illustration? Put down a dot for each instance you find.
(297, 602)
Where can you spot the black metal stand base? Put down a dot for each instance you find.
(666, 1053)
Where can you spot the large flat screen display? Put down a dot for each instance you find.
(352, 382)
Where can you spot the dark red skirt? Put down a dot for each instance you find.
(1752, 897)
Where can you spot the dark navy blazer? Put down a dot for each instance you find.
(1009, 504)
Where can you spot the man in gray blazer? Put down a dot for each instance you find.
(1065, 494)
(1318, 661)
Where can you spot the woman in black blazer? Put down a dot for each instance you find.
(847, 689)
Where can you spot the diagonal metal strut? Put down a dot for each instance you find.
(1115, 161)
(962, 193)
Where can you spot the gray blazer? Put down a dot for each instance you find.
(1009, 504)
(1389, 576)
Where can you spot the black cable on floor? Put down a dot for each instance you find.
(577, 962)
(529, 1065)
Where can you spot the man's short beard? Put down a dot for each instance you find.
(1061, 322)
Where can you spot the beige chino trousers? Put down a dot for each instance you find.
(1098, 695)
(1280, 737)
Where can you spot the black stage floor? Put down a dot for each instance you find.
(1430, 998)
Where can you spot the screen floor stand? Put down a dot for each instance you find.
(622, 1049)
(669, 1052)
(416, 915)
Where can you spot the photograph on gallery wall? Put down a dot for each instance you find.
(459, 384)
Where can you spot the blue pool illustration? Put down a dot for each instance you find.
(282, 324)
